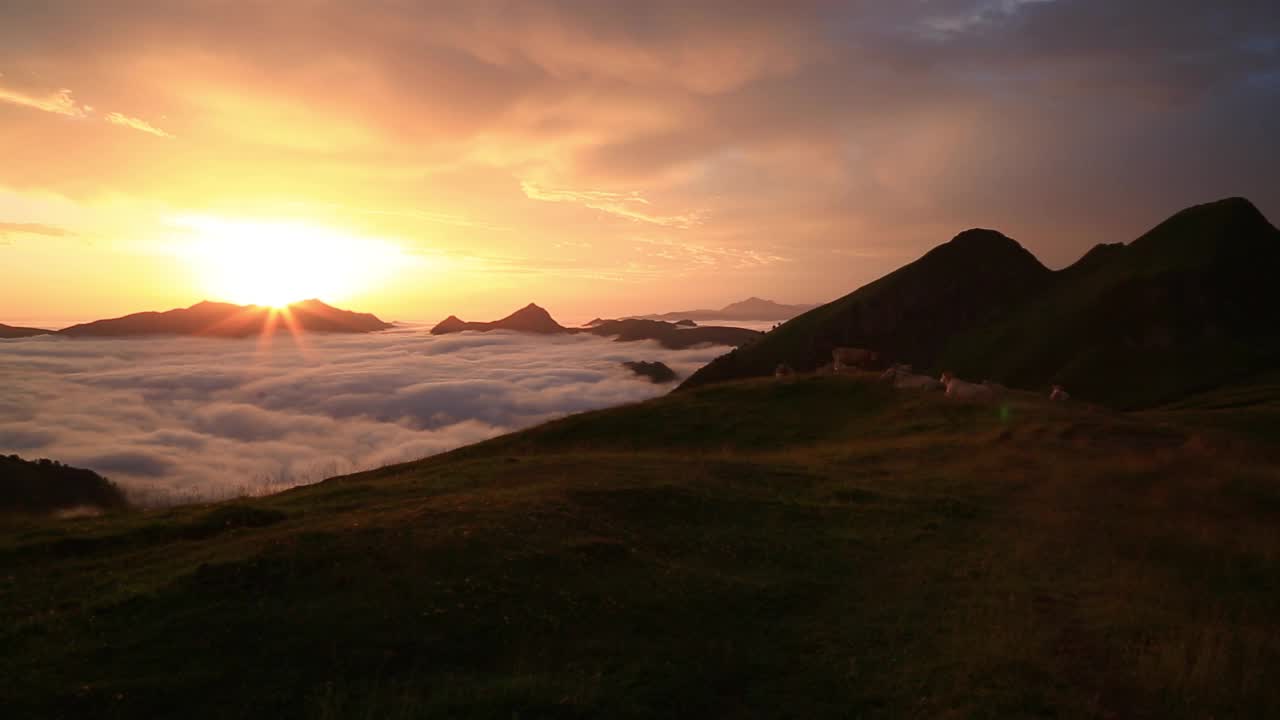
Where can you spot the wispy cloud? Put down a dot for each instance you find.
(981, 14)
(711, 255)
(62, 102)
(58, 102)
(631, 205)
(123, 120)
(27, 228)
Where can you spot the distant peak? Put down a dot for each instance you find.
(531, 309)
(1233, 221)
(1232, 207)
(983, 237)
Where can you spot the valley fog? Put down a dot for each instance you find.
(181, 419)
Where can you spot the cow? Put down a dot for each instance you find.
(996, 388)
(1059, 394)
(783, 371)
(894, 371)
(900, 376)
(854, 359)
(961, 390)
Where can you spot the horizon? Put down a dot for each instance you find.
(582, 319)
(619, 160)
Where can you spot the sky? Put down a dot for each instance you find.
(598, 157)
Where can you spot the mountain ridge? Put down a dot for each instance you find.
(753, 308)
(674, 336)
(221, 319)
(1179, 309)
(13, 332)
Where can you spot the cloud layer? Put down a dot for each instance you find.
(179, 419)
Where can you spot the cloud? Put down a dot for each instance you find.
(58, 102)
(122, 120)
(188, 418)
(631, 205)
(28, 228)
(61, 102)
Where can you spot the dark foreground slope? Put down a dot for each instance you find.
(1189, 306)
(909, 315)
(822, 548)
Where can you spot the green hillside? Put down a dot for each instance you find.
(1185, 308)
(819, 548)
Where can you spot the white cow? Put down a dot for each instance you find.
(853, 359)
(902, 377)
(1059, 394)
(961, 390)
(893, 372)
(996, 388)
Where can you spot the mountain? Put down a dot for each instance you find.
(9, 332)
(656, 372)
(752, 308)
(908, 315)
(529, 319)
(675, 336)
(214, 319)
(45, 486)
(1184, 308)
(1189, 306)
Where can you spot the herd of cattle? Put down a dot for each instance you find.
(902, 376)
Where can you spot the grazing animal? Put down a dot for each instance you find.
(1059, 394)
(854, 358)
(783, 371)
(996, 388)
(894, 371)
(961, 390)
(900, 376)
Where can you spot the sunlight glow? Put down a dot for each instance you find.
(277, 263)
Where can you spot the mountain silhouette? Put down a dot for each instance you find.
(908, 315)
(657, 372)
(674, 336)
(45, 486)
(529, 319)
(534, 319)
(1186, 307)
(752, 308)
(9, 332)
(215, 319)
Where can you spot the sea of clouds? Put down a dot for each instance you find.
(187, 419)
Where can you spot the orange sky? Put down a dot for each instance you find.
(598, 158)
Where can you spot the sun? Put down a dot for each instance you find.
(275, 263)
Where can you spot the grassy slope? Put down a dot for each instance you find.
(824, 547)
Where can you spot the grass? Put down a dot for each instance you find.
(819, 548)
